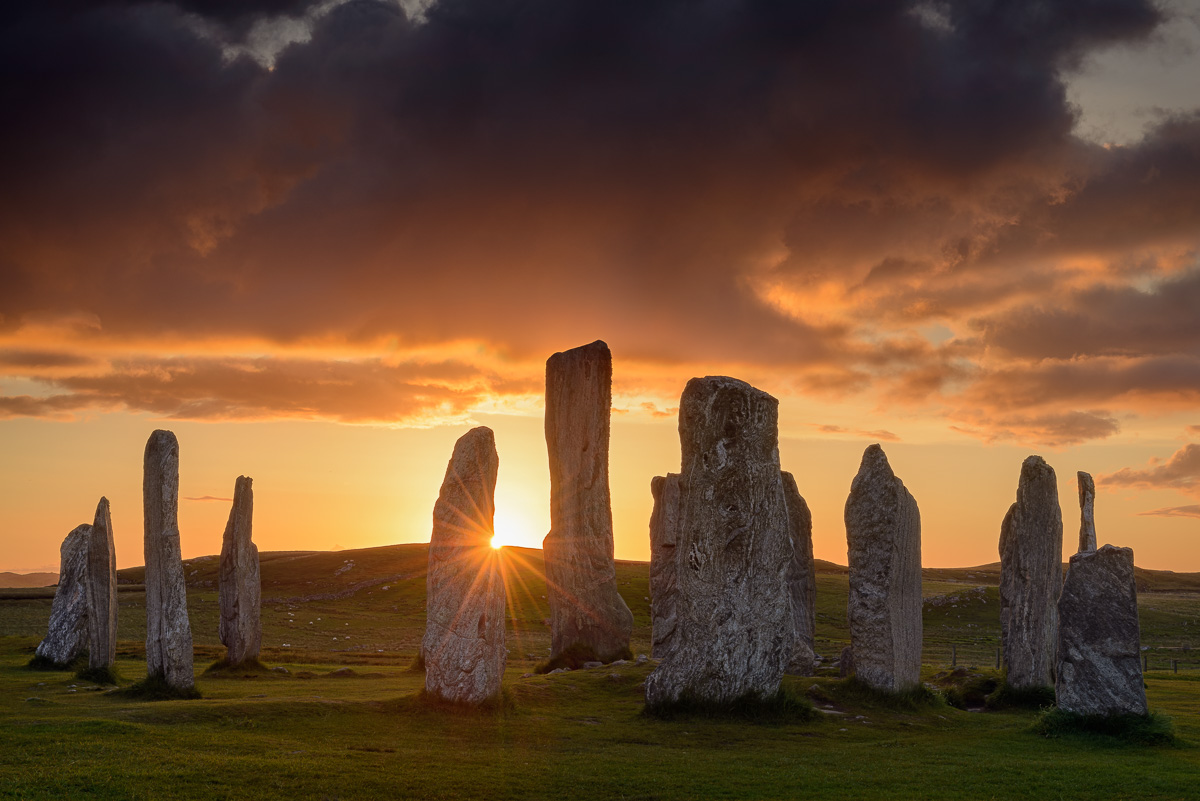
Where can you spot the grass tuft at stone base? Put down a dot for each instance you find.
(247, 669)
(155, 688)
(99, 675)
(498, 704)
(855, 692)
(781, 707)
(1151, 729)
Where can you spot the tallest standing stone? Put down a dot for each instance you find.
(585, 609)
(168, 632)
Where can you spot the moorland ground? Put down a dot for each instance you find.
(347, 720)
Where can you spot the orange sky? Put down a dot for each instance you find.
(319, 241)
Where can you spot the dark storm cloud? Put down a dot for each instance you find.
(536, 174)
(1105, 320)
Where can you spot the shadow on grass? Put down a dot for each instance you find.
(248, 669)
(99, 675)
(576, 656)
(39, 662)
(1008, 697)
(781, 707)
(856, 692)
(155, 688)
(1151, 729)
(425, 701)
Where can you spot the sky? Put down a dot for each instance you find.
(319, 241)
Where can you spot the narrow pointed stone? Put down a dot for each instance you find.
(67, 632)
(465, 596)
(1031, 577)
(1099, 670)
(734, 632)
(102, 590)
(664, 533)
(240, 628)
(883, 535)
(168, 630)
(586, 611)
(802, 584)
(1087, 512)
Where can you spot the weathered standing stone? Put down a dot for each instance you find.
(734, 632)
(240, 628)
(1098, 666)
(586, 611)
(1031, 577)
(67, 634)
(168, 632)
(802, 584)
(664, 532)
(102, 590)
(465, 598)
(1087, 512)
(883, 537)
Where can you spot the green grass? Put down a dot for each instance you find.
(575, 656)
(783, 706)
(1151, 729)
(309, 733)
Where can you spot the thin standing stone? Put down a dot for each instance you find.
(664, 533)
(102, 590)
(168, 631)
(802, 580)
(463, 645)
(586, 611)
(1087, 512)
(883, 535)
(67, 633)
(1031, 577)
(240, 628)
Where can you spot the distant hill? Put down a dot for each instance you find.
(9, 580)
(309, 573)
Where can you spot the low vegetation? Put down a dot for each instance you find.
(335, 711)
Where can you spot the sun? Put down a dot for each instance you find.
(513, 527)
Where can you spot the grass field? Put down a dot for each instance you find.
(579, 735)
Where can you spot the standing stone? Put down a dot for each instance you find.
(1031, 577)
(734, 633)
(1087, 512)
(586, 612)
(1098, 668)
(102, 591)
(240, 628)
(802, 580)
(67, 634)
(664, 531)
(168, 632)
(883, 537)
(465, 598)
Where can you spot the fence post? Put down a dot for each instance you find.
(1174, 665)
(953, 655)
(997, 659)
(1145, 662)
